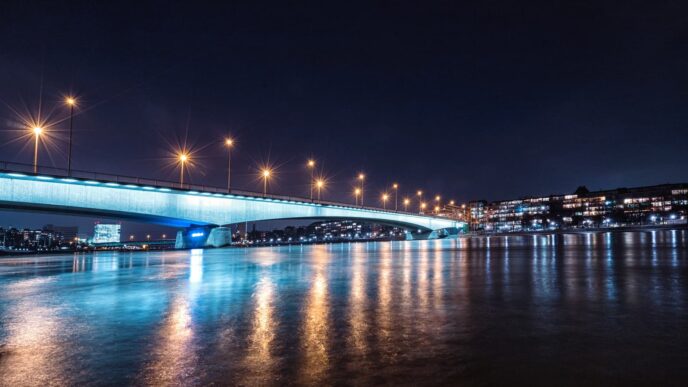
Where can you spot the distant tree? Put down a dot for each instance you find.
(582, 190)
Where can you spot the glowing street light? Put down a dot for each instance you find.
(406, 204)
(422, 207)
(229, 142)
(266, 175)
(357, 193)
(361, 177)
(384, 200)
(420, 198)
(396, 192)
(37, 131)
(183, 158)
(311, 167)
(320, 183)
(71, 102)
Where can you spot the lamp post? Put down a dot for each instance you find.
(384, 201)
(319, 184)
(266, 176)
(406, 203)
(420, 200)
(229, 143)
(422, 207)
(311, 167)
(357, 192)
(396, 192)
(361, 177)
(71, 102)
(183, 158)
(37, 131)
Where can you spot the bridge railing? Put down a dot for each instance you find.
(41, 170)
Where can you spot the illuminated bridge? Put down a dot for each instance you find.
(200, 211)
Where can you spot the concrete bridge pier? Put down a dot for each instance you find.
(207, 236)
(219, 237)
(450, 232)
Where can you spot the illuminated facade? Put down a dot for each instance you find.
(653, 205)
(106, 233)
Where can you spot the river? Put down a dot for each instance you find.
(592, 308)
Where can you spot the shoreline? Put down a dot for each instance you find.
(659, 227)
(29, 254)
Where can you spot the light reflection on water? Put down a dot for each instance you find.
(600, 307)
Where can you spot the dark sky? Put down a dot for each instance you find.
(493, 100)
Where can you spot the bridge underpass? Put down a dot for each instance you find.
(193, 210)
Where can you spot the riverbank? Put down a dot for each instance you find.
(581, 230)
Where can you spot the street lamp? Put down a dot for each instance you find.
(384, 201)
(319, 184)
(420, 199)
(406, 203)
(71, 102)
(229, 143)
(422, 207)
(357, 192)
(37, 131)
(311, 166)
(361, 177)
(183, 158)
(266, 175)
(396, 192)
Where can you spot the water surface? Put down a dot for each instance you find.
(596, 309)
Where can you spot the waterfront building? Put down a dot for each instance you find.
(657, 205)
(106, 233)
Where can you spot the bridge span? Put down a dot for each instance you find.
(189, 208)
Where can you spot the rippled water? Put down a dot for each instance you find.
(600, 309)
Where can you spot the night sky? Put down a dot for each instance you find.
(492, 100)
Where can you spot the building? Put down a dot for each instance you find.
(106, 233)
(69, 233)
(653, 205)
(32, 240)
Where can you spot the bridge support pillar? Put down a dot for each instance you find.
(442, 233)
(198, 237)
(192, 238)
(219, 237)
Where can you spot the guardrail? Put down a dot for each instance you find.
(28, 169)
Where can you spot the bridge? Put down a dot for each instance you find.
(202, 212)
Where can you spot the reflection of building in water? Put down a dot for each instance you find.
(106, 233)
(655, 205)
